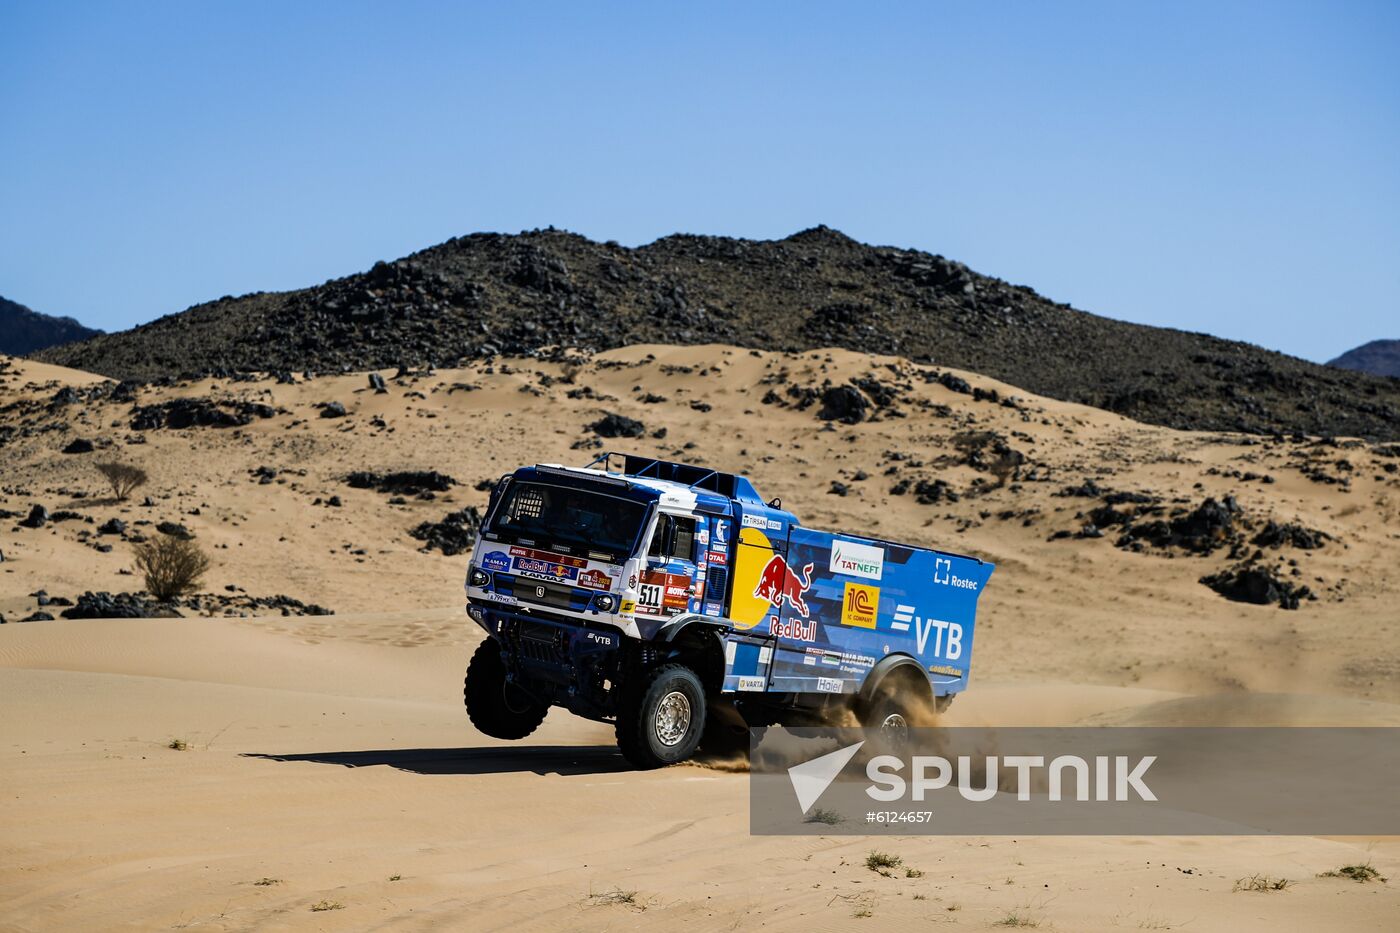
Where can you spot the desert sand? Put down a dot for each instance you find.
(327, 763)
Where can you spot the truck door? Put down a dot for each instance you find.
(714, 556)
(668, 585)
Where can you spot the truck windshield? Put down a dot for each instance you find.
(574, 518)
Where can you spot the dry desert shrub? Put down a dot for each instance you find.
(122, 477)
(172, 566)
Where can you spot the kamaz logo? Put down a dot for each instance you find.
(943, 573)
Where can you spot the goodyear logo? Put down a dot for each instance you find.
(860, 606)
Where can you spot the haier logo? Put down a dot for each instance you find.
(857, 560)
(943, 573)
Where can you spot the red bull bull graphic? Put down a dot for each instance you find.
(778, 583)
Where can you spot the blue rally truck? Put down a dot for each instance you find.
(675, 602)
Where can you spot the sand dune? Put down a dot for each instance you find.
(330, 755)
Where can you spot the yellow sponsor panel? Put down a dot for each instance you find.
(751, 554)
(860, 606)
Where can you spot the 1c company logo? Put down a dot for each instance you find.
(860, 605)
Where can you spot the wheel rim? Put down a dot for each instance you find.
(672, 718)
(895, 728)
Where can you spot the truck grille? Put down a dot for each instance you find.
(539, 592)
(543, 643)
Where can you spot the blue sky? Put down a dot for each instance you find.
(1223, 167)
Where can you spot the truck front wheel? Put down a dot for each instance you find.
(665, 718)
(498, 708)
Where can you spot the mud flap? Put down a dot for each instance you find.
(748, 662)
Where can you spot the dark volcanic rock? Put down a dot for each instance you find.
(78, 445)
(332, 410)
(614, 425)
(520, 295)
(183, 413)
(175, 530)
(113, 606)
(1208, 526)
(1290, 534)
(403, 482)
(112, 526)
(455, 534)
(843, 403)
(1247, 583)
(38, 517)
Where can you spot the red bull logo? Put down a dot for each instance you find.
(778, 583)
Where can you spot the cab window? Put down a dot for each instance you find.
(674, 538)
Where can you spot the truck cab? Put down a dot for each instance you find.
(673, 601)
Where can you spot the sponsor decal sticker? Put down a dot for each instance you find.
(857, 560)
(945, 669)
(752, 684)
(496, 560)
(717, 557)
(860, 606)
(595, 580)
(778, 584)
(548, 557)
(946, 637)
(755, 521)
(663, 593)
(830, 685)
(534, 567)
(628, 605)
(943, 573)
(793, 628)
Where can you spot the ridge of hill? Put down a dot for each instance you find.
(24, 330)
(1378, 357)
(487, 293)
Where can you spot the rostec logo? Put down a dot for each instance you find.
(943, 573)
(857, 560)
(860, 606)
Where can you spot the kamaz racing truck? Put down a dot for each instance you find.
(675, 602)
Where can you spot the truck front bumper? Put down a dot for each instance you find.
(559, 661)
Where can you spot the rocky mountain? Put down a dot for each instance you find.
(1379, 357)
(24, 331)
(493, 293)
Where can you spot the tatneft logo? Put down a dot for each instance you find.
(1117, 778)
(857, 560)
(943, 573)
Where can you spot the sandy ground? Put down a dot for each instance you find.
(329, 757)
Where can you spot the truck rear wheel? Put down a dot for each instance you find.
(665, 719)
(495, 707)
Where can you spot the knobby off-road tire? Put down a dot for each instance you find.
(664, 719)
(890, 716)
(496, 708)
